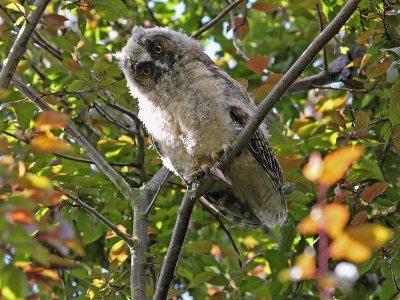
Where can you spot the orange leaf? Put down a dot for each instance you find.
(264, 6)
(45, 143)
(50, 119)
(337, 163)
(375, 190)
(306, 262)
(21, 215)
(332, 218)
(258, 63)
(110, 234)
(337, 216)
(152, 230)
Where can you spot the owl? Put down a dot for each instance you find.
(193, 111)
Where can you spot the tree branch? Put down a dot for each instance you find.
(19, 47)
(99, 217)
(216, 19)
(140, 225)
(185, 211)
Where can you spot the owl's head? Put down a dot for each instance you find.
(150, 53)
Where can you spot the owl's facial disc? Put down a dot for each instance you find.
(162, 49)
(146, 73)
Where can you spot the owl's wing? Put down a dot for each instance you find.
(258, 144)
(260, 148)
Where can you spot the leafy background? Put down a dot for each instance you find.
(51, 247)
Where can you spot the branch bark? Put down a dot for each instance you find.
(19, 47)
(140, 225)
(185, 211)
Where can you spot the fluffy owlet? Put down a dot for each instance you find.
(193, 112)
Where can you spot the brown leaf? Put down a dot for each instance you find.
(340, 198)
(289, 160)
(373, 191)
(338, 119)
(241, 28)
(258, 63)
(362, 120)
(70, 64)
(273, 79)
(264, 6)
(359, 218)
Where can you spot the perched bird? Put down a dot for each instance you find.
(193, 111)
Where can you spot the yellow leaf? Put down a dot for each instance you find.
(117, 250)
(344, 247)
(372, 235)
(307, 263)
(289, 160)
(31, 181)
(50, 119)
(337, 163)
(129, 141)
(110, 234)
(364, 61)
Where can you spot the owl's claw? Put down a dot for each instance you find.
(198, 174)
(218, 155)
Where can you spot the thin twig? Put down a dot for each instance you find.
(340, 89)
(151, 13)
(128, 240)
(321, 28)
(157, 193)
(228, 233)
(216, 19)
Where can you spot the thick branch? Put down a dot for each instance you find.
(140, 225)
(19, 47)
(185, 211)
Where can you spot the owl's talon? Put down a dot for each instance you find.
(220, 153)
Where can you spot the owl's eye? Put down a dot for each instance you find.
(158, 49)
(146, 71)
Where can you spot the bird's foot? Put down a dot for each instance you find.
(222, 153)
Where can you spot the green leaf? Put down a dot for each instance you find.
(394, 105)
(286, 238)
(77, 85)
(81, 21)
(365, 266)
(276, 260)
(24, 111)
(362, 120)
(111, 9)
(200, 278)
(229, 252)
(14, 283)
(251, 283)
(199, 246)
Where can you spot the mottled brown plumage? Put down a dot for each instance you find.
(193, 112)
